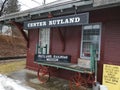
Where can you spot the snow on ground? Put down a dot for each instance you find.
(10, 84)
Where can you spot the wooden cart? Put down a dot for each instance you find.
(83, 76)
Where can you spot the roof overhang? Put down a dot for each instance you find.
(56, 8)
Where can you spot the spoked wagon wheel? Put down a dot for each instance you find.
(43, 74)
(78, 82)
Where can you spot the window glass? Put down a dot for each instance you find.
(90, 36)
(44, 40)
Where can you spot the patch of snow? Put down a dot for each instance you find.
(11, 84)
(6, 30)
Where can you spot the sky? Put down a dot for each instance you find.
(27, 4)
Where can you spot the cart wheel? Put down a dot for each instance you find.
(78, 82)
(43, 74)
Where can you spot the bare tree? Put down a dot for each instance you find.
(2, 6)
(9, 6)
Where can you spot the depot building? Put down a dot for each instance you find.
(68, 28)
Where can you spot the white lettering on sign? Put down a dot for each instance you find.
(37, 24)
(77, 19)
(63, 57)
(49, 57)
(71, 20)
(64, 21)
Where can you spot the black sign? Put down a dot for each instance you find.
(52, 58)
(77, 19)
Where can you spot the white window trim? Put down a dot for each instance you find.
(99, 40)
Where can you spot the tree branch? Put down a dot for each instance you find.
(2, 7)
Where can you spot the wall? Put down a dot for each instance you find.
(33, 39)
(72, 38)
(110, 36)
(110, 41)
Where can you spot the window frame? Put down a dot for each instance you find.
(81, 48)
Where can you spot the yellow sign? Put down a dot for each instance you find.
(111, 76)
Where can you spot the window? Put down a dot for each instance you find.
(44, 41)
(90, 36)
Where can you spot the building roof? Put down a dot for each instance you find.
(57, 8)
(41, 11)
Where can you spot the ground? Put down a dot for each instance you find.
(15, 69)
(6, 67)
(30, 78)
